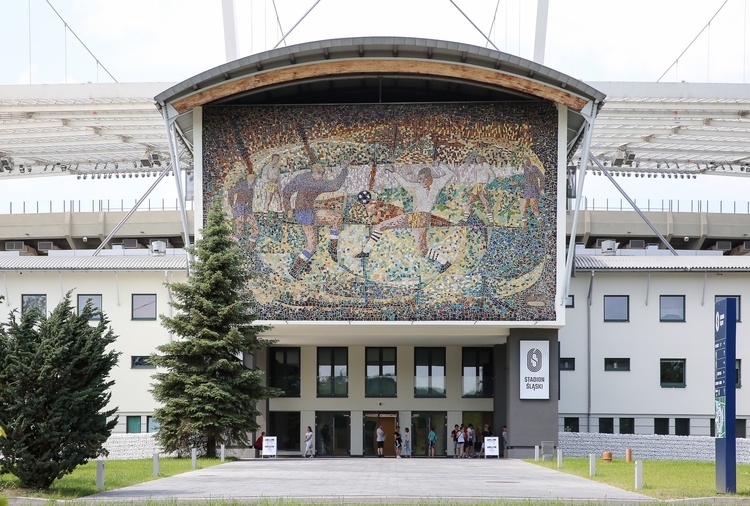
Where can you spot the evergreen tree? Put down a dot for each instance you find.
(53, 391)
(209, 397)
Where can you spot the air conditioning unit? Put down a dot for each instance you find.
(46, 246)
(131, 244)
(601, 241)
(14, 246)
(722, 245)
(636, 244)
(166, 242)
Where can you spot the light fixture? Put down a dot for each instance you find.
(6, 163)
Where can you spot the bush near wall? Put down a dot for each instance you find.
(646, 446)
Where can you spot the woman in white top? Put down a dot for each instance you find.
(406, 451)
(309, 442)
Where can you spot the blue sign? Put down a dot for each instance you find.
(725, 353)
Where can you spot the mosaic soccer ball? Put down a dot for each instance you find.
(364, 197)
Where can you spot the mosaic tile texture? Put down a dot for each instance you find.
(390, 212)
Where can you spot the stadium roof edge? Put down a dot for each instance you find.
(392, 48)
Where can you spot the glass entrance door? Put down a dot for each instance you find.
(333, 433)
(388, 422)
(421, 421)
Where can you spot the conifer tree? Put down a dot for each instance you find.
(209, 396)
(54, 388)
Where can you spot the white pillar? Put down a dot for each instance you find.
(100, 474)
(156, 463)
(638, 474)
(559, 458)
(592, 465)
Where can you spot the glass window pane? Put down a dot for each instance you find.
(133, 425)
(672, 308)
(737, 300)
(29, 302)
(96, 302)
(144, 307)
(380, 372)
(616, 308)
(673, 372)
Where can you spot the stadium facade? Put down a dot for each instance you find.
(402, 204)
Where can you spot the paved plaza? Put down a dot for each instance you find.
(372, 480)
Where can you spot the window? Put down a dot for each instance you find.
(607, 425)
(144, 306)
(735, 298)
(380, 372)
(570, 301)
(151, 424)
(672, 308)
(285, 371)
(96, 301)
(740, 428)
(571, 424)
(429, 372)
(133, 425)
(140, 362)
(738, 373)
(333, 378)
(616, 364)
(672, 372)
(34, 301)
(627, 425)
(477, 371)
(661, 426)
(285, 425)
(682, 426)
(616, 308)
(567, 364)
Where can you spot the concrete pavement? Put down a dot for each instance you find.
(366, 480)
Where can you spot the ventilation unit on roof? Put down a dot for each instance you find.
(601, 241)
(14, 246)
(636, 244)
(46, 246)
(723, 245)
(609, 247)
(131, 244)
(158, 247)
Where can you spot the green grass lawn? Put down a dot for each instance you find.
(663, 479)
(117, 474)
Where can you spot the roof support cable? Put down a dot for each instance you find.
(278, 21)
(494, 18)
(632, 203)
(474, 25)
(68, 28)
(283, 39)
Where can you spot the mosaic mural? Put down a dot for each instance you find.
(391, 212)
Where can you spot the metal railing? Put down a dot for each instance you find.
(668, 205)
(89, 206)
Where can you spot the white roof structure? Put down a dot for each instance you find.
(642, 128)
(699, 263)
(80, 128)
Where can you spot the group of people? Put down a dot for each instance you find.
(465, 440)
(307, 186)
(402, 444)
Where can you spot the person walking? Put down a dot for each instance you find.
(504, 437)
(406, 452)
(380, 440)
(309, 442)
(259, 445)
(398, 443)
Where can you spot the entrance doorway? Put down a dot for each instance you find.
(421, 421)
(333, 433)
(388, 422)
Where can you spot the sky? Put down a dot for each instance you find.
(172, 40)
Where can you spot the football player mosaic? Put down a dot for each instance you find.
(391, 212)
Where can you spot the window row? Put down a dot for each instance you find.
(671, 370)
(143, 305)
(661, 426)
(133, 424)
(671, 307)
(380, 371)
